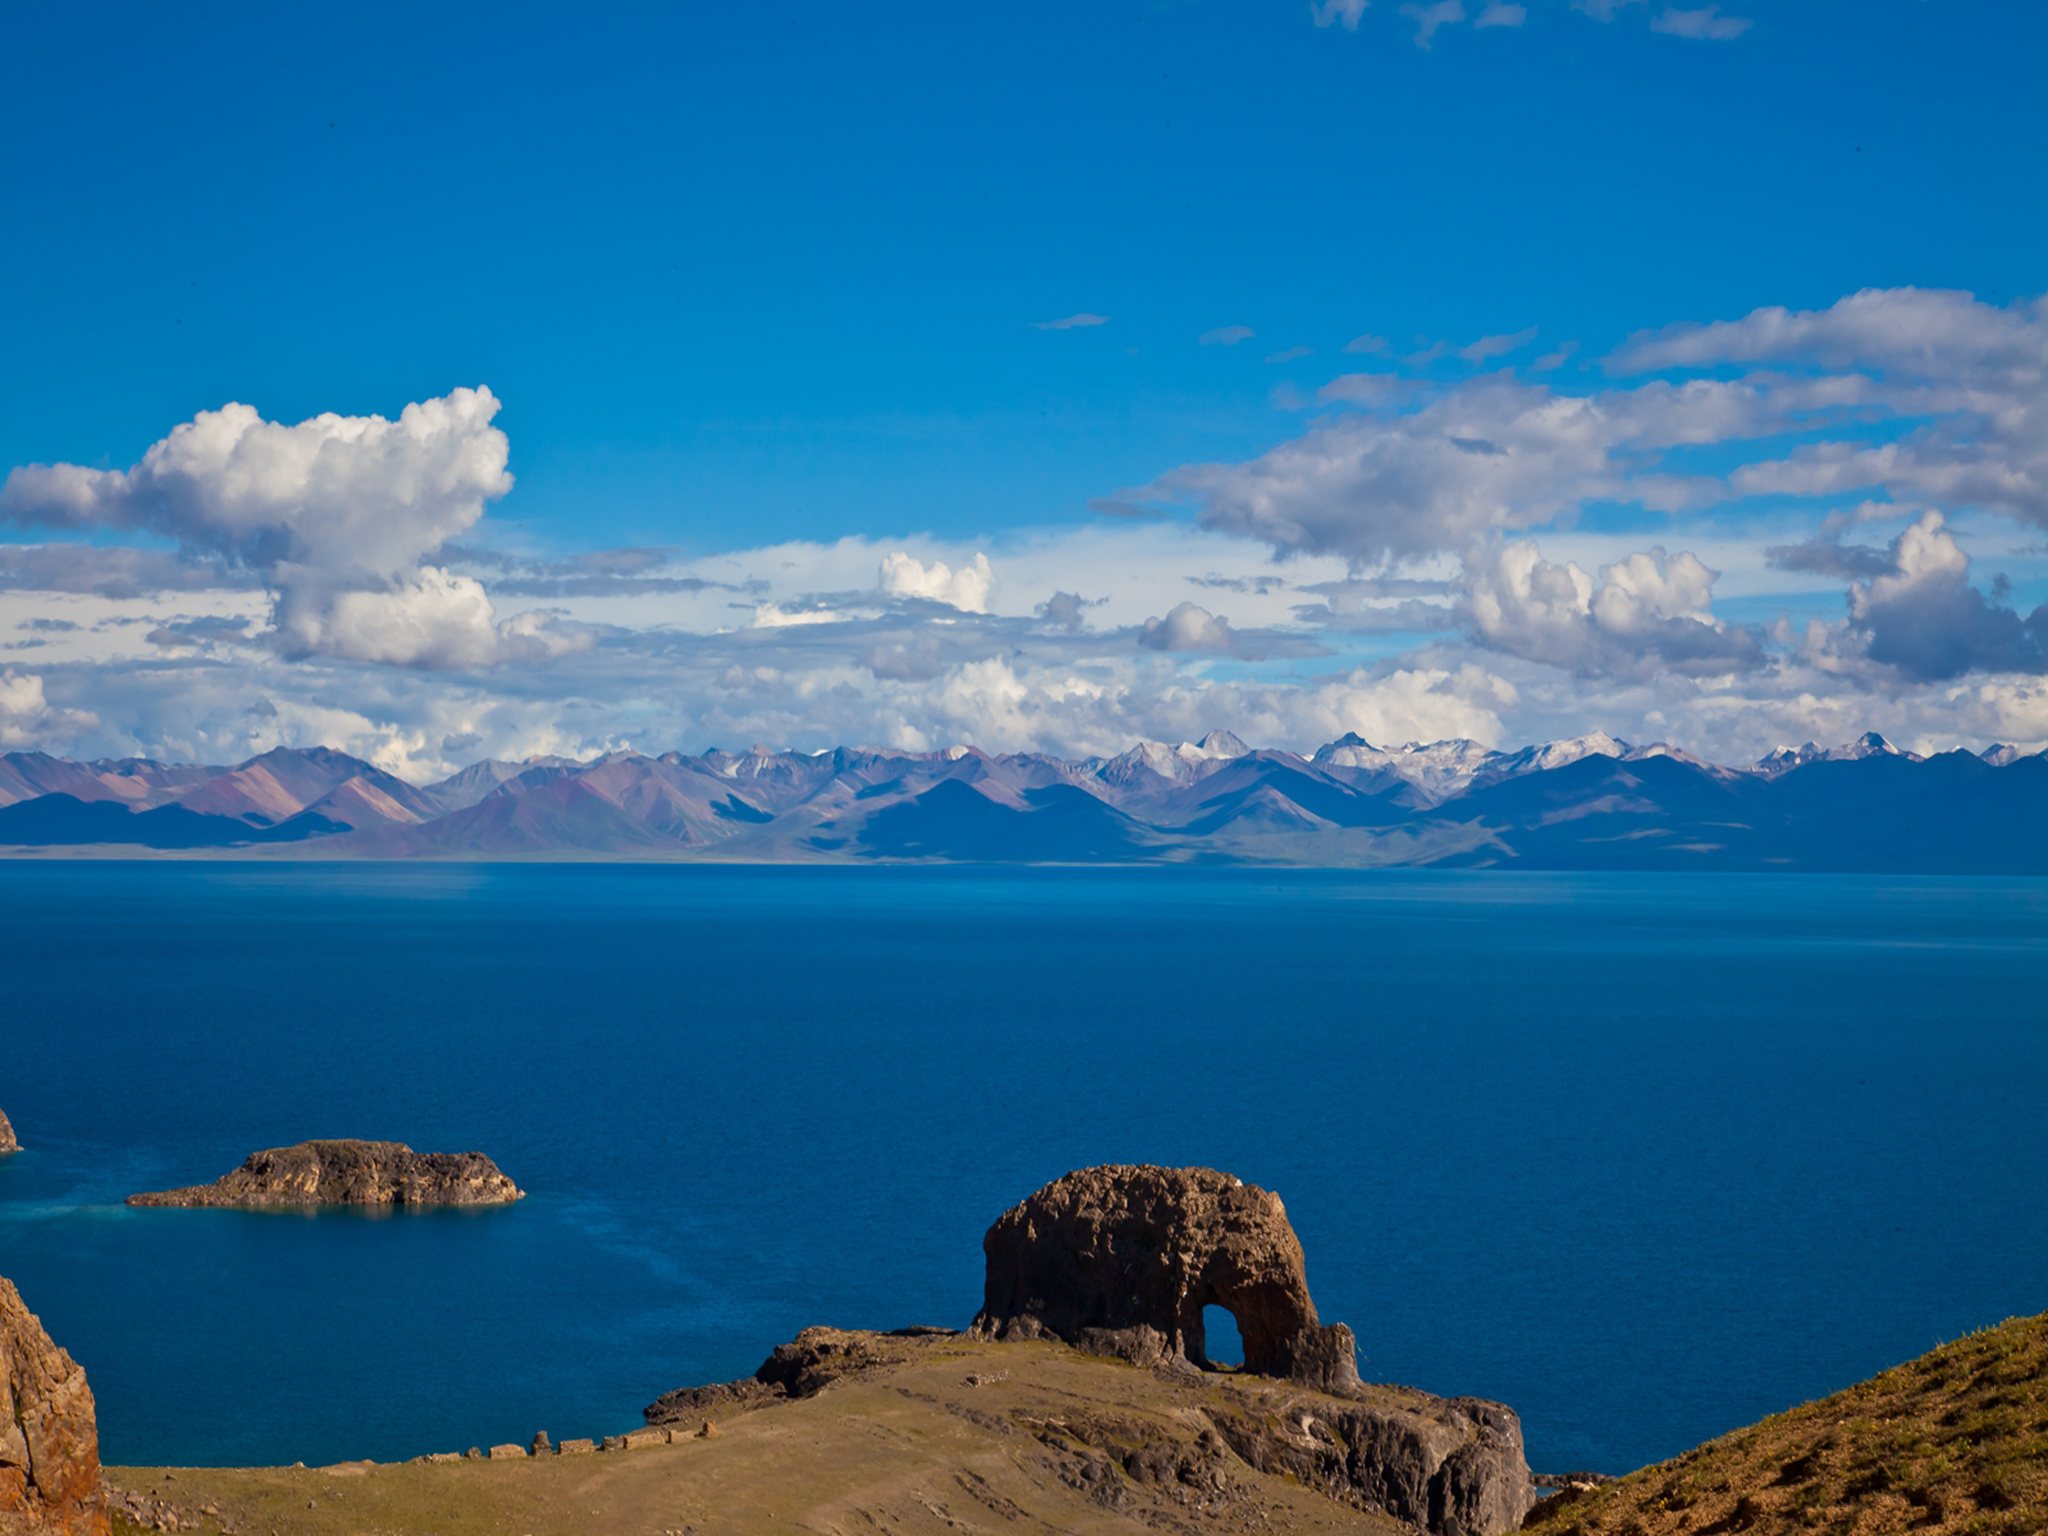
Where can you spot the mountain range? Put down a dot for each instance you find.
(1589, 803)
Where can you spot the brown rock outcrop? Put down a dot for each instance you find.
(349, 1173)
(1453, 1466)
(49, 1439)
(1121, 1260)
(7, 1142)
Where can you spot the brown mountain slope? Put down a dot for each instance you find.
(1955, 1441)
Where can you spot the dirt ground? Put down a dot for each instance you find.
(1018, 1438)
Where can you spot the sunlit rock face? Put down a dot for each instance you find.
(1122, 1259)
(49, 1438)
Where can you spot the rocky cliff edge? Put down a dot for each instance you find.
(49, 1436)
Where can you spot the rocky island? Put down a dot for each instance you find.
(372, 1173)
(7, 1142)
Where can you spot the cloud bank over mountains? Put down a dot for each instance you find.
(1782, 526)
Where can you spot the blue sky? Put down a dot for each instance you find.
(765, 291)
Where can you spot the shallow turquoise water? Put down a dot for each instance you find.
(1646, 1157)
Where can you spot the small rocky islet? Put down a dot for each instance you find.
(347, 1172)
(7, 1142)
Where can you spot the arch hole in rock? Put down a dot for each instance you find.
(1220, 1339)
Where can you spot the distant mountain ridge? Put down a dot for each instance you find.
(1589, 802)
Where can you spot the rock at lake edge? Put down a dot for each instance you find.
(1121, 1260)
(49, 1437)
(7, 1142)
(374, 1173)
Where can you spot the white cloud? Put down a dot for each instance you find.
(1366, 343)
(1071, 322)
(1225, 336)
(1648, 612)
(1425, 468)
(1978, 374)
(1931, 400)
(1345, 11)
(336, 514)
(1499, 13)
(1187, 628)
(1428, 18)
(1379, 487)
(967, 589)
(1602, 10)
(1705, 23)
(1926, 622)
(27, 718)
(1291, 354)
(341, 493)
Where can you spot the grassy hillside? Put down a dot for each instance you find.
(1955, 1441)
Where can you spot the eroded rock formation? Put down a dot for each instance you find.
(349, 1173)
(49, 1439)
(1121, 1260)
(7, 1142)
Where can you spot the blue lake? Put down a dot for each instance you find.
(1646, 1157)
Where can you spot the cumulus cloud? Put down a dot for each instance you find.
(426, 618)
(1071, 322)
(1651, 610)
(1924, 620)
(1499, 13)
(28, 719)
(1225, 336)
(1187, 628)
(341, 493)
(1602, 10)
(336, 514)
(1706, 23)
(1366, 343)
(1290, 354)
(967, 589)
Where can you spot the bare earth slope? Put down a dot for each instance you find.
(1955, 1441)
(956, 1436)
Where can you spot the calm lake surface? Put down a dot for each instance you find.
(1645, 1157)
